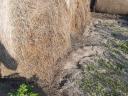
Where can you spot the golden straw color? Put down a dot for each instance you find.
(79, 11)
(34, 34)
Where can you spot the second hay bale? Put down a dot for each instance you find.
(112, 6)
(36, 34)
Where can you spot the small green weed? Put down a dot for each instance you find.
(23, 90)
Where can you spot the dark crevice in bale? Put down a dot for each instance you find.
(92, 5)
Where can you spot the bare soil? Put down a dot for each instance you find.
(90, 49)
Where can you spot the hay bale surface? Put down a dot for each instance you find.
(79, 12)
(112, 6)
(36, 33)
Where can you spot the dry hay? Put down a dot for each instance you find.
(79, 12)
(112, 6)
(36, 33)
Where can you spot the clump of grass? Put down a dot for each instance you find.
(119, 45)
(123, 46)
(116, 45)
(104, 79)
(109, 76)
(23, 90)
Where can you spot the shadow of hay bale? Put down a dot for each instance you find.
(12, 82)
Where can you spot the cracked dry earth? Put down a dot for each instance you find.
(98, 65)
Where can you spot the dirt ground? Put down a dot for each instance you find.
(98, 60)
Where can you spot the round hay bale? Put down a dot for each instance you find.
(112, 6)
(35, 34)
